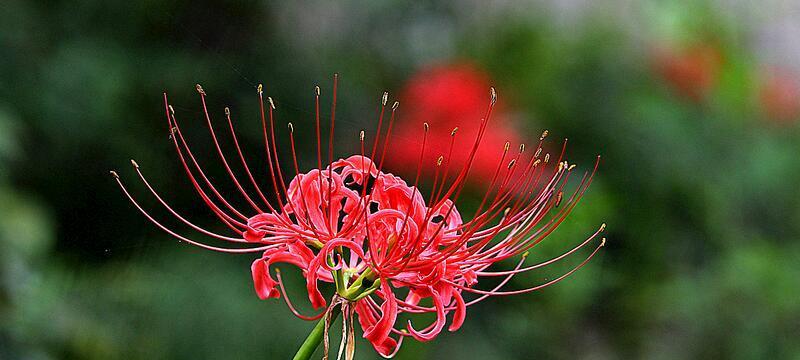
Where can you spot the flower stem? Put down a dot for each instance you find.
(314, 338)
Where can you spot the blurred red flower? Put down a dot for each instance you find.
(447, 97)
(691, 71)
(779, 95)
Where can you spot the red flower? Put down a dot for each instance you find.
(780, 96)
(448, 97)
(384, 244)
(692, 72)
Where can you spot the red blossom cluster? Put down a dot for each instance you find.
(387, 248)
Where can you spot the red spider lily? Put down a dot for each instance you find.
(449, 96)
(386, 247)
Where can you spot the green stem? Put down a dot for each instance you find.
(314, 338)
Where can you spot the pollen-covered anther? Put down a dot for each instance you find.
(114, 174)
(538, 152)
(385, 98)
(134, 163)
(200, 89)
(506, 146)
(426, 126)
(546, 157)
(439, 160)
(260, 89)
(227, 111)
(494, 95)
(544, 135)
(453, 133)
(511, 163)
(603, 227)
(571, 167)
(171, 110)
(525, 254)
(603, 242)
(361, 135)
(316, 90)
(271, 103)
(291, 127)
(521, 148)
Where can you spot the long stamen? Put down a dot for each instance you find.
(219, 151)
(176, 235)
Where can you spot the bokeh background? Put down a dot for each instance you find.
(693, 106)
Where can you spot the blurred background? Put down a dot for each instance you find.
(694, 107)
